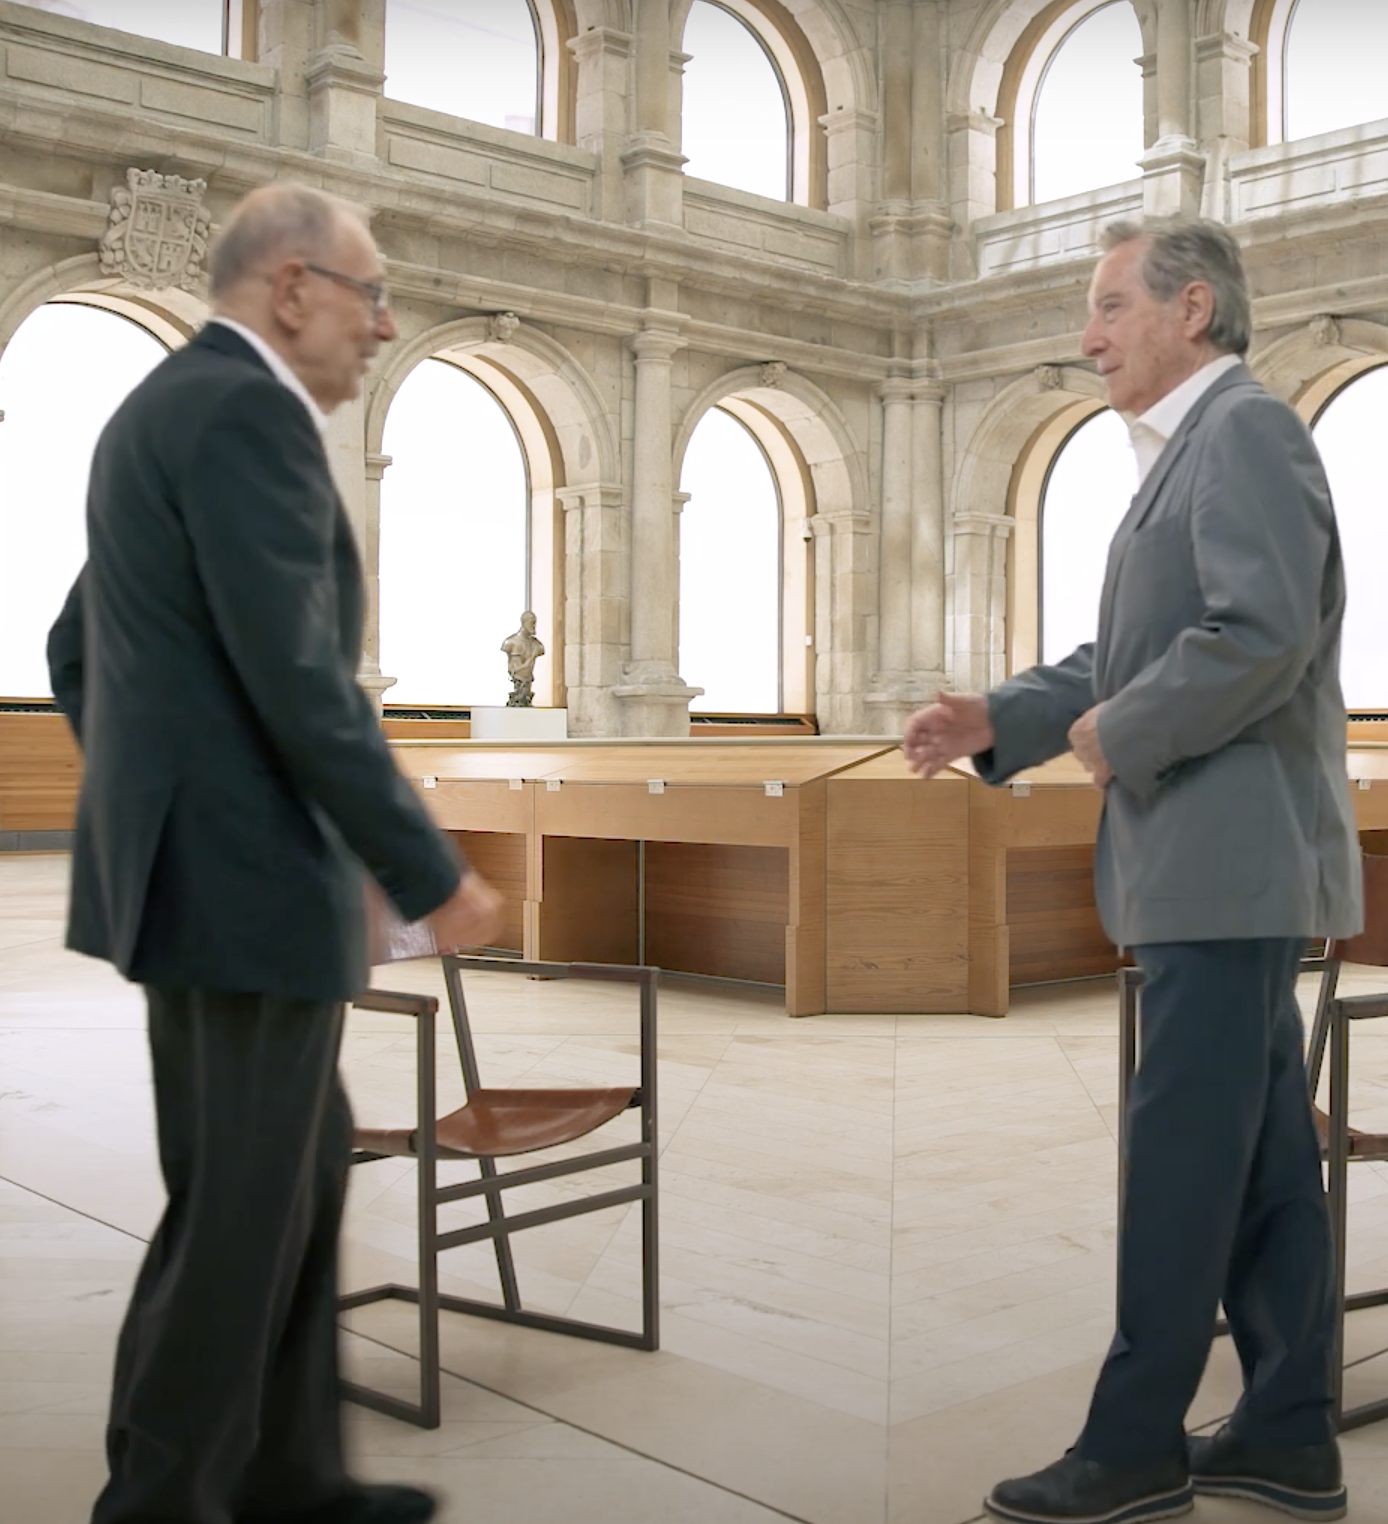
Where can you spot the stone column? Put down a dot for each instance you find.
(980, 600)
(344, 77)
(285, 30)
(653, 165)
(597, 609)
(655, 701)
(894, 556)
(928, 540)
(602, 121)
(1224, 88)
(852, 155)
(843, 601)
(1173, 168)
(370, 676)
(973, 181)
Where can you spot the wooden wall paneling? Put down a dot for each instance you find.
(1053, 816)
(500, 857)
(806, 932)
(588, 900)
(712, 908)
(40, 773)
(426, 730)
(1053, 923)
(988, 935)
(898, 922)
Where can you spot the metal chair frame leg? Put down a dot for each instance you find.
(492, 1182)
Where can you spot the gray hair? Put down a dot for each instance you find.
(1180, 251)
(273, 223)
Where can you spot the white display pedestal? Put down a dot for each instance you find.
(520, 724)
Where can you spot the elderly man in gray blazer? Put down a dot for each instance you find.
(1209, 711)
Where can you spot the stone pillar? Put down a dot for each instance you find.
(973, 181)
(928, 540)
(653, 165)
(655, 701)
(894, 556)
(371, 568)
(843, 601)
(1223, 90)
(286, 39)
(852, 155)
(343, 77)
(1173, 168)
(980, 600)
(602, 121)
(597, 608)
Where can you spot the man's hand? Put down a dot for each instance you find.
(1084, 742)
(470, 918)
(955, 725)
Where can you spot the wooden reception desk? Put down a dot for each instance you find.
(819, 864)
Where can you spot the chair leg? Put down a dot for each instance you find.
(1337, 1030)
(1320, 1026)
(505, 1261)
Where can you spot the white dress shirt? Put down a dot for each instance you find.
(278, 368)
(1151, 431)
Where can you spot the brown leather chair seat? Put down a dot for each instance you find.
(499, 1123)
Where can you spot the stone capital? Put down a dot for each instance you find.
(992, 526)
(657, 343)
(597, 495)
(590, 45)
(896, 389)
(377, 465)
(836, 122)
(652, 150)
(1224, 45)
(342, 68)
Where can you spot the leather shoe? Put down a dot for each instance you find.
(1074, 1489)
(369, 1503)
(1304, 1481)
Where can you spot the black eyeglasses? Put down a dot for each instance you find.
(373, 290)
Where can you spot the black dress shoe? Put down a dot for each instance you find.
(369, 1503)
(1079, 1491)
(1304, 1481)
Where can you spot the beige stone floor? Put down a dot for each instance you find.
(887, 1252)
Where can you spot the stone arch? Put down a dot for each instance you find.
(173, 317)
(993, 79)
(1306, 368)
(821, 473)
(997, 502)
(568, 440)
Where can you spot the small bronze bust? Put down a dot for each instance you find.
(522, 650)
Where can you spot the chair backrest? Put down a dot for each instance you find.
(1371, 945)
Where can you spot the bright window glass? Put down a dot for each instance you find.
(1087, 126)
(453, 541)
(1089, 489)
(736, 125)
(477, 59)
(189, 23)
(62, 375)
(1349, 435)
(730, 571)
(1337, 66)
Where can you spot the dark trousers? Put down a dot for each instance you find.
(1224, 1202)
(225, 1401)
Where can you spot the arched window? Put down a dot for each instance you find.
(1088, 490)
(453, 540)
(1087, 117)
(62, 375)
(736, 123)
(1348, 434)
(1335, 74)
(188, 23)
(730, 577)
(482, 60)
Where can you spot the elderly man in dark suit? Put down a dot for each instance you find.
(1209, 711)
(236, 782)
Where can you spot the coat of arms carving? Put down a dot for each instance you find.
(156, 236)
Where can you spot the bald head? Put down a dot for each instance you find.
(300, 269)
(275, 223)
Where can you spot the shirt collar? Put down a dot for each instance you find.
(279, 368)
(1165, 417)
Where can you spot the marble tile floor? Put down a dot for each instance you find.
(887, 1251)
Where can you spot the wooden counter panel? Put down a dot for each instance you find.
(500, 858)
(588, 906)
(897, 891)
(40, 773)
(484, 805)
(1053, 924)
(737, 816)
(1052, 816)
(1371, 806)
(717, 909)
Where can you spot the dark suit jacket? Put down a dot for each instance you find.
(236, 777)
(1217, 663)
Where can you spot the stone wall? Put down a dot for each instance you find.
(903, 348)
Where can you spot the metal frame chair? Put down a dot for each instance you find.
(506, 1122)
(1339, 1142)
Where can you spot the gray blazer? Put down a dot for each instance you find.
(1217, 662)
